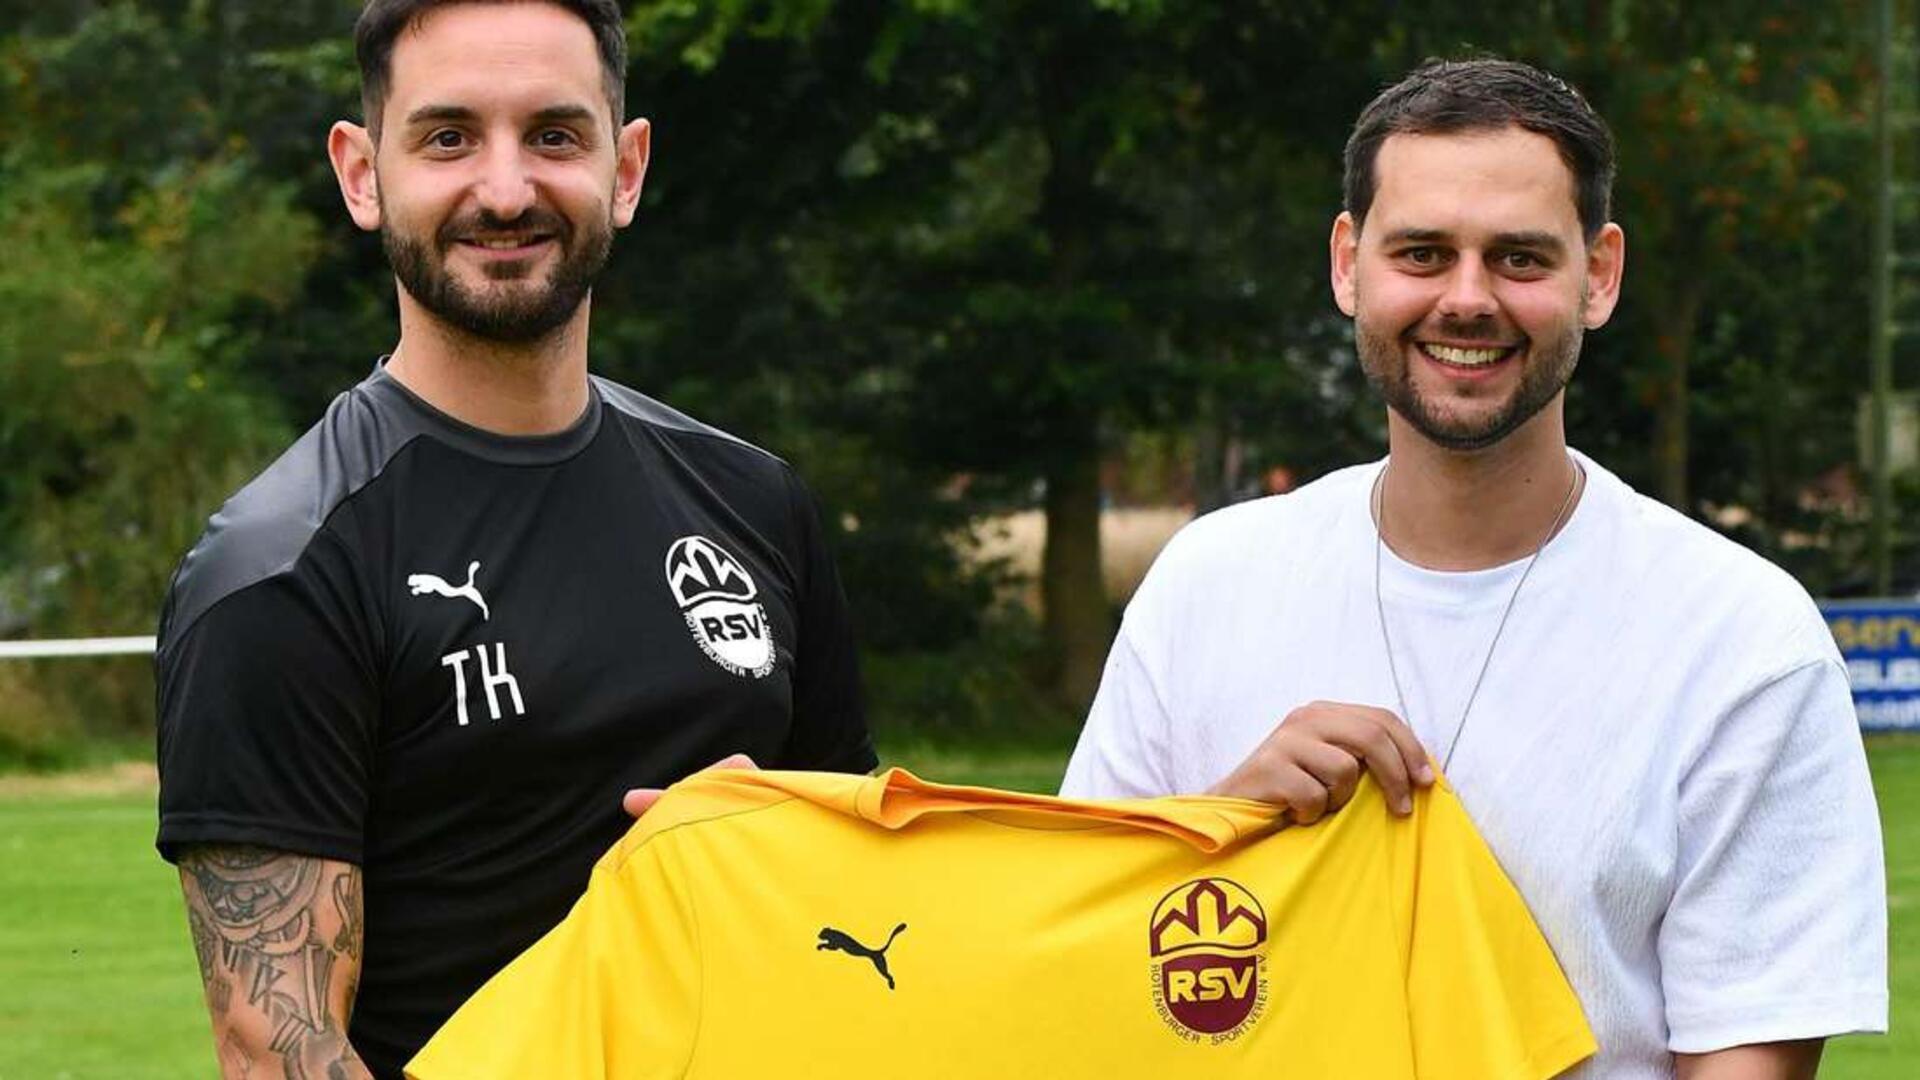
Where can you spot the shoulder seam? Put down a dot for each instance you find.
(319, 526)
(1759, 686)
(1774, 678)
(679, 825)
(613, 393)
(719, 436)
(1125, 639)
(206, 609)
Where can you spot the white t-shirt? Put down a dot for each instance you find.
(1664, 754)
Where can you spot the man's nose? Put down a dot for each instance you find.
(505, 187)
(1469, 293)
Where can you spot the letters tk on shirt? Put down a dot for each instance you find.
(811, 925)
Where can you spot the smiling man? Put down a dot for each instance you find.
(1649, 724)
(407, 674)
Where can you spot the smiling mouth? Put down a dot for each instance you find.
(1475, 356)
(506, 243)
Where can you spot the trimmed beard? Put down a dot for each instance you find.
(510, 315)
(1549, 367)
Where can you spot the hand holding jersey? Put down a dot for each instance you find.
(1312, 762)
(638, 801)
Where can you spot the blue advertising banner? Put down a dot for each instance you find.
(1880, 640)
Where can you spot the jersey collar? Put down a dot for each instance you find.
(491, 446)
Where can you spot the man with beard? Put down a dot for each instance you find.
(1650, 725)
(408, 672)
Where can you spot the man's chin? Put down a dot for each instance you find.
(507, 323)
(1467, 442)
(1464, 433)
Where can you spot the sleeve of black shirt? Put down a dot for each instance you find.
(829, 713)
(267, 709)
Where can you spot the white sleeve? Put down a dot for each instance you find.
(1778, 924)
(1123, 747)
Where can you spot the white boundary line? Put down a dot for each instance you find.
(100, 646)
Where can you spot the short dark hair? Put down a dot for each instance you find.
(383, 21)
(1443, 97)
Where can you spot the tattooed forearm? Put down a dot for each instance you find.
(279, 939)
(346, 899)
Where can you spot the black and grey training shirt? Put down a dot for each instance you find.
(442, 655)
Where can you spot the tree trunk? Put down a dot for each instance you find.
(1072, 591)
(1210, 479)
(1673, 343)
(1060, 73)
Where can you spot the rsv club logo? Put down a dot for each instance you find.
(1209, 973)
(716, 597)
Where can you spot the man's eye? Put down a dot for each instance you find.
(556, 138)
(1521, 260)
(446, 139)
(1421, 256)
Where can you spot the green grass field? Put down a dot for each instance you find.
(97, 978)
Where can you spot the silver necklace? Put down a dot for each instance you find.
(1377, 500)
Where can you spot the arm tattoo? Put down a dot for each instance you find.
(347, 898)
(271, 931)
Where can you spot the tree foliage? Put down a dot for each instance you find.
(948, 256)
(131, 272)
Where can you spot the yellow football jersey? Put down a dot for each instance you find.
(767, 924)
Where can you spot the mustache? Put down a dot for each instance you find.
(536, 219)
(1478, 331)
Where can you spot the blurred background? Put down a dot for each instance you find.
(1019, 286)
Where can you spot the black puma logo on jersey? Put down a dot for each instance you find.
(841, 941)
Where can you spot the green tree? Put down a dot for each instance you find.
(127, 408)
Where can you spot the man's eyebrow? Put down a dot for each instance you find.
(1532, 239)
(1529, 239)
(552, 114)
(439, 113)
(1417, 236)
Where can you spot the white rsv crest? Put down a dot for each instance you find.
(717, 598)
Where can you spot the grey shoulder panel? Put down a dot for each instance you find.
(263, 529)
(648, 411)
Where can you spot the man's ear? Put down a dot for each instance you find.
(634, 148)
(1606, 267)
(351, 150)
(1343, 251)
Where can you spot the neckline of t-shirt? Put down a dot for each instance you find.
(1472, 590)
(492, 446)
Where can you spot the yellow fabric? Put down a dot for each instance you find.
(1363, 947)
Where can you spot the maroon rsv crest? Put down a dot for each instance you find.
(1209, 973)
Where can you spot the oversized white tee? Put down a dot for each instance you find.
(1663, 756)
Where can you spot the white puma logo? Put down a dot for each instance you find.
(434, 583)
